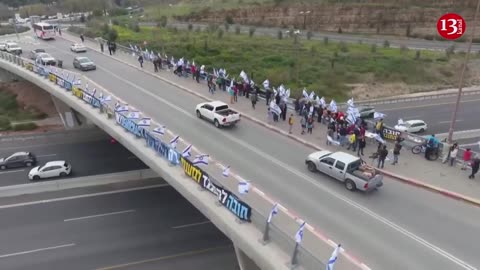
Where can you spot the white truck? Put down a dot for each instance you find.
(13, 48)
(217, 112)
(346, 168)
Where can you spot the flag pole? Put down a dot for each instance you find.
(294, 261)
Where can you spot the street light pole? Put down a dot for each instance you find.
(305, 13)
(462, 75)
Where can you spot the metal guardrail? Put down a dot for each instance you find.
(315, 248)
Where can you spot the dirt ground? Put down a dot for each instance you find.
(31, 96)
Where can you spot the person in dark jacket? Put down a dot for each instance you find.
(320, 114)
(268, 96)
(140, 60)
(382, 155)
(475, 167)
(284, 107)
(253, 99)
(396, 151)
(361, 145)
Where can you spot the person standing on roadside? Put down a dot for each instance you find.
(352, 140)
(253, 99)
(82, 38)
(361, 145)
(303, 123)
(101, 46)
(382, 155)
(310, 124)
(268, 95)
(475, 167)
(290, 123)
(467, 156)
(453, 154)
(140, 60)
(396, 152)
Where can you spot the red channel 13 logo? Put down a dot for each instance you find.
(451, 26)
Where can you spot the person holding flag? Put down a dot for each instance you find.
(226, 171)
(174, 141)
(243, 187)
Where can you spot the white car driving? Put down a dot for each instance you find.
(50, 169)
(77, 47)
(412, 126)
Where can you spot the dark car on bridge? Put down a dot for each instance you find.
(83, 63)
(16, 160)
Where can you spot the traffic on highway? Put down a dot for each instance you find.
(378, 224)
(417, 221)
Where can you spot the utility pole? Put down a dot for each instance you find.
(462, 76)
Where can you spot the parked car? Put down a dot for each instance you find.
(50, 169)
(412, 126)
(77, 47)
(34, 53)
(16, 160)
(13, 48)
(366, 111)
(83, 63)
(217, 112)
(45, 59)
(345, 168)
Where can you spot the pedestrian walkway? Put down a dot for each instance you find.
(411, 168)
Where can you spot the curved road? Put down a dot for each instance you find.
(398, 227)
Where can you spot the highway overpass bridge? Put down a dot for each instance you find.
(242, 218)
(400, 227)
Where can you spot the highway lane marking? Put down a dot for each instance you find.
(100, 215)
(449, 121)
(268, 157)
(14, 171)
(83, 196)
(192, 224)
(36, 250)
(427, 105)
(48, 155)
(168, 257)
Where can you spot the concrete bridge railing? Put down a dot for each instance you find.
(245, 230)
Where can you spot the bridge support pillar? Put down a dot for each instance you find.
(244, 261)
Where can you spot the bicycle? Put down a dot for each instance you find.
(421, 148)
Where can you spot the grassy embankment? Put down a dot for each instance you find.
(10, 112)
(8, 29)
(323, 66)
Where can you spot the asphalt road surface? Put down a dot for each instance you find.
(397, 227)
(92, 156)
(436, 113)
(148, 229)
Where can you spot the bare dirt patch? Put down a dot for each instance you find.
(31, 97)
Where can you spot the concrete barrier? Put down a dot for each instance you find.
(86, 181)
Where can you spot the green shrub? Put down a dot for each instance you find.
(24, 126)
(309, 35)
(237, 29)
(117, 12)
(251, 31)
(190, 27)
(386, 44)
(5, 123)
(229, 19)
(220, 33)
(325, 40)
(280, 34)
(115, 22)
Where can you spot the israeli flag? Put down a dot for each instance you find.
(351, 118)
(145, 122)
(350, 102)
(201, 159)
(133, 115)
(378, 138)
(266, 84)
(86, 88)
(333, 258)
(106, 99)
(244, 76)
(312, 95)
(193, 62)
(275, 108)
(243, 187)
(159, 130)
(273, 212)
(400, 121)
(226, 171)
(94, 91)
(174, 141)
(323, 102)
(333, 106)
(122, 108)
(186, 152)
(378, 115)
(332, 141)
(299, 234)
(304, 93)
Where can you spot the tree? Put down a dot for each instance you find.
(309, 35)
(111, 35)
(163, 21)
(408, 31)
